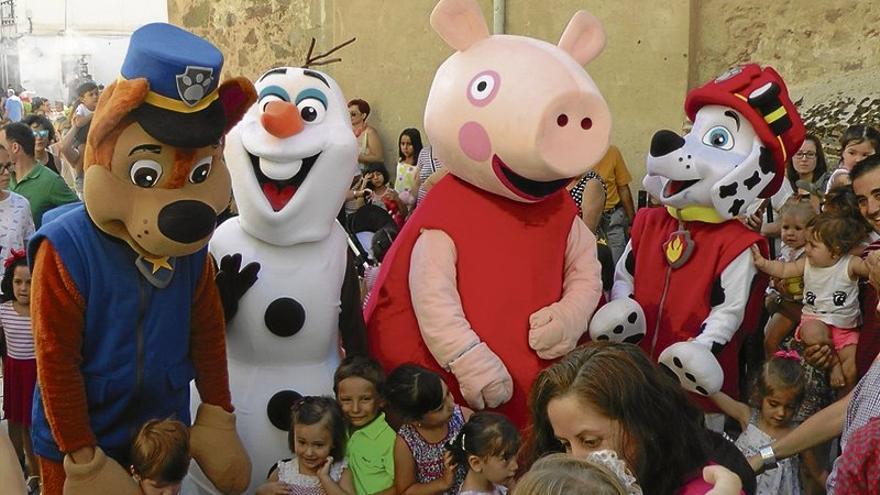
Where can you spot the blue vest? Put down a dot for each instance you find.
(135, 350)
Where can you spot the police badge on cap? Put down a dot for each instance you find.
(183, 107)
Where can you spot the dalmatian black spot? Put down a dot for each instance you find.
(736, 207)
(632, 296)
(701, 390)
(716, 347)
(285, 317)
(728, 190)
(765, 161)
(839, 297)
(618, 329)
(690, 377)
(702, 326)
(602, 337)
(278, 408)
(717, 296)
(809, 298)
(669, 372)
(630, 263)
(632, 317)
(676, 362)
(634, 339)
(752, 181)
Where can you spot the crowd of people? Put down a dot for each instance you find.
(625, 425)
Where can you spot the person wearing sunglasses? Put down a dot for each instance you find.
(16, 224)
(43, 188)
(44, 136)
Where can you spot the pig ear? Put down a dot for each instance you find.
(459, 22)
(583, 38)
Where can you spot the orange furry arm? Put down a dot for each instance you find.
(58, 318)
(208, 342)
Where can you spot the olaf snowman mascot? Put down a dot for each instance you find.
(686, 284)
(291, 159)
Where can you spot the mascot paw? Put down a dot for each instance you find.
(233, 281)
(215, 445)
(100, 475)
(694, 366)
(482, 378)
(549, 336)
(621, 320)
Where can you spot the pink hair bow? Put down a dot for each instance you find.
(787, 355)
(14, 255)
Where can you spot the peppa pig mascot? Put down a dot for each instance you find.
(685, 286)
(495, 274)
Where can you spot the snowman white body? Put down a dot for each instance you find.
(300, 247)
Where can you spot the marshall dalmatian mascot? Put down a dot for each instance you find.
(292, 159)
(686, 283)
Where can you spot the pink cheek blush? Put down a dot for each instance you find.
(474, 141)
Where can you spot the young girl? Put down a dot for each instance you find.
(486, 447)
(831, 289)
(19, 363)
(374, 189)
(317, 440)
(358, 383)
(160, 457)
(857, 143)
(777, 394)
(562, 474)
(409, 145)
(784, 296)
(421, 464)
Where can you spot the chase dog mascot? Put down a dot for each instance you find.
(687, 271)
(494, 274)
(126, 312)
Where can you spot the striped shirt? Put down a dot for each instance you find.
(17, 329)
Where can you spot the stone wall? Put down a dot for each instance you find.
(642, 73)
(828, 51)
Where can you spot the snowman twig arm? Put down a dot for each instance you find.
(208, 342)
(728, 298)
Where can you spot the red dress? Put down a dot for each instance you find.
(689, 297)
(510, 260)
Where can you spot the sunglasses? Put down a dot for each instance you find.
(42, 133)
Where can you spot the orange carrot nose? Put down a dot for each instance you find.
(281, 119)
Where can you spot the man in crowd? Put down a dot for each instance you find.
(862, 404)
(43, 188)
(619, 207)
(13, 107)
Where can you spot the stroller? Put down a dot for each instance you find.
(361, 226)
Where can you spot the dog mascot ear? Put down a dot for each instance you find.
(709, 294)
(125, 310)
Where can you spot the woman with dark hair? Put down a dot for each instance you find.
(374, 189)
(808, 164)
(369, 144)
(44, 136)
(611, 396)
(409, 145)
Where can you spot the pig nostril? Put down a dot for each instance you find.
(586, 123)
(562, 120)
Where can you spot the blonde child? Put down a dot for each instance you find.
(421, 463)
(486, 447)
(778, 391)
(562, 474)
(317, 440)
(831, 290)
(160, 457)
(857, 143)
(784, 296)
(19, 363)
(359, 383)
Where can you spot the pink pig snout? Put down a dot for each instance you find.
(573, 132)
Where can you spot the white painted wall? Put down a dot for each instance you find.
(98, 29)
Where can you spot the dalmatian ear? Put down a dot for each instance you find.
(732, 195)
(694, 366)
(621, 320)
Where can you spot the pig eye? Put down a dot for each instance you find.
(483, 87)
